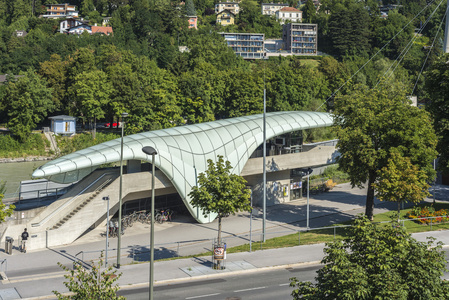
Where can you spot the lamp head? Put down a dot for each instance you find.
(149, 150)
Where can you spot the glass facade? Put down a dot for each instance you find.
(246, 45)
(301, 39)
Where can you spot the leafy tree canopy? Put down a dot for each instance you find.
(378, 262)
(372, 123)
(220, 192)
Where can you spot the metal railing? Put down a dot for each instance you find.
(67, 203)
(141, 253)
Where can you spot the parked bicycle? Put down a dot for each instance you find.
(164, 215)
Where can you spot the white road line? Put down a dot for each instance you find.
(284, 284)
(202, 296)
(252, 289)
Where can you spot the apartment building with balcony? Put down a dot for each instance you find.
(246, 45)
(231, 6)
(270, 9)
(60, 11)
(300, 38)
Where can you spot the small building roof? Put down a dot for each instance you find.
(290, 9)
(102, 29)
(226, 11)
(63, 117)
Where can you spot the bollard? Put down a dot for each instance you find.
(299, 238)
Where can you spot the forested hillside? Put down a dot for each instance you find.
(140, 70)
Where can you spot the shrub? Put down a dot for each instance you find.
(12, 148)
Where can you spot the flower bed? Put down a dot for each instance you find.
(423, 214)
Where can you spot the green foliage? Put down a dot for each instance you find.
(437, 79)
(90, 284)
(378, 262)
(81, 141)
(309, 12)
(373, 124)
(220, 192)
(349, 29)
(190, 8)
(34, 145)
(5, 211)
(401, 181)
(28, 102)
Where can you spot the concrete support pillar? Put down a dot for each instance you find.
(133, 166)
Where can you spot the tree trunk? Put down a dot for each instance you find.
(369, 210)
(219, 229)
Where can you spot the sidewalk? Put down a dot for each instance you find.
(35, 274)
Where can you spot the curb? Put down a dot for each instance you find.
(190, 278)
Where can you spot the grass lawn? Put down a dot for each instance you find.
(327, 235)
(310, 62)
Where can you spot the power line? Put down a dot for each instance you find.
(383, 47)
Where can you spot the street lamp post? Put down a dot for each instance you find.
(151, 151)
(107, 231)
(119, 239)
(308, 172)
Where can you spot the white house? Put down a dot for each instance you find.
(69, 23)
(271, 8)
(231, 6)
(289, 14)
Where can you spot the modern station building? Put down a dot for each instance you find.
(182, 154)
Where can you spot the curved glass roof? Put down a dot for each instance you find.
(182, 152)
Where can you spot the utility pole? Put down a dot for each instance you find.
(446, 31)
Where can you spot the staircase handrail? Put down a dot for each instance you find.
(44, 220)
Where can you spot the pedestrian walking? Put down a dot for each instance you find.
(25, 236)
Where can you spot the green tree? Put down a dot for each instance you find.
(29, 101)
(221, 192)
(91, 92)
(437, 86)
(378, 262)
(54, 71)
(349, 29)
(190, 8)
(308, 12)
(90, 284)
(371, 123)
(401, 181)
(5, 211)
(87, 6)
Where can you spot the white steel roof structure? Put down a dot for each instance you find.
(182, 152)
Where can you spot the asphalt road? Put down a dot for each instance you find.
(259, 285)
(273, 284)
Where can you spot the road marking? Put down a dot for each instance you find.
(252, 289)
(203, 296)
(284, 284)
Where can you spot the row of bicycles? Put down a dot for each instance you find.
(161, 216)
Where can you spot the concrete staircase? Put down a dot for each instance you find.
(83, 204)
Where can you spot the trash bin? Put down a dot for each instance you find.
(8, 244)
